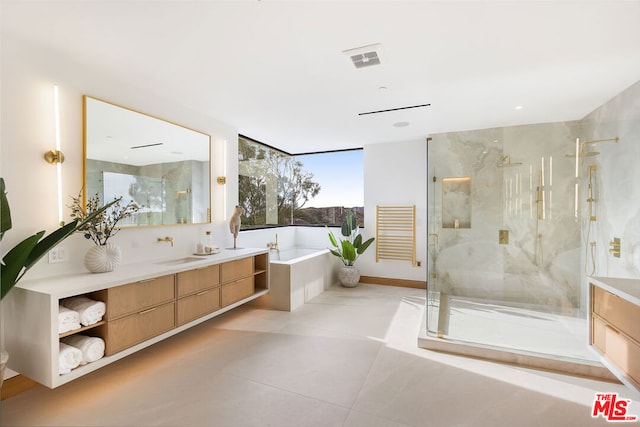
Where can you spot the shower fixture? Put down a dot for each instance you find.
(506, 162)
(590, 199)
(580, 152)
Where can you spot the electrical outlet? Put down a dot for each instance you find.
(58, 254)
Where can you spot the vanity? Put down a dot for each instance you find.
(145, 303)
(615, 326)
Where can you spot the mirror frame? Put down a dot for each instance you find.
(84, 158)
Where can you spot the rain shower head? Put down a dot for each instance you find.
(581, 153)
(506, 163)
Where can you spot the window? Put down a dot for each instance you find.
(276, 188)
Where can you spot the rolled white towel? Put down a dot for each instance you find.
(92, 348)
(68, 320)
(90, 311)
(69, 358)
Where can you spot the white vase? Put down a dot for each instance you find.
(4, 358)
(349, 276)
(102, 259)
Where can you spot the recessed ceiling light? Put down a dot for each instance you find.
(519, 107)
(383, 88)
(401, 124)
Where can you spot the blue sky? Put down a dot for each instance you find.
(339, 175)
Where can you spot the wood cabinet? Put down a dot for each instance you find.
(198, 293)
(129, 330)
(615, 330)
(142, 308)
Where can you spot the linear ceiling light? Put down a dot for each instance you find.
(394, 109)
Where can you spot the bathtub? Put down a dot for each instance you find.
(295, 276)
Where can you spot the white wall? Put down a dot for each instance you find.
(395, 174)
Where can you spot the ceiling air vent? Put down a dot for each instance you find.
(365, 56)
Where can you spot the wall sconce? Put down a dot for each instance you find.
(53, 157)
(222, 180)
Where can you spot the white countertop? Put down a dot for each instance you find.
(628, 289)
(75, 284)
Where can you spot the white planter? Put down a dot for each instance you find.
(102, 259)
(349, 276)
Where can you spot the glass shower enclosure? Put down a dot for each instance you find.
(504, 244)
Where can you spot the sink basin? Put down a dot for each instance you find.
(179, 261)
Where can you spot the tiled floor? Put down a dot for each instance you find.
(349, 358)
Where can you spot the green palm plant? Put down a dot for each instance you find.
(28, 252)
(352, 246)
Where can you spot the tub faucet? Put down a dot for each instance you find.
(166, 239)
(274, 245)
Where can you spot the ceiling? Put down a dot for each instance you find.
(276, 69)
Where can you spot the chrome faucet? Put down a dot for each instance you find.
(166, 239)
(274, 245)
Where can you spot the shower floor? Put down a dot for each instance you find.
(515, 328)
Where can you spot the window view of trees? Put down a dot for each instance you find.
(275, 189)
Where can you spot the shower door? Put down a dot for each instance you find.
(504, 240)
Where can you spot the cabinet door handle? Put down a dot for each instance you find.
(614, 330)
(146, 280)
(202, 293)
(147, 311)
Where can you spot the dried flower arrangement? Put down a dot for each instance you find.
(102, 226)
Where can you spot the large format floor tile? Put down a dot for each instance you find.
(348, 358)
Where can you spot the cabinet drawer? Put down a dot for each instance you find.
(623, 352)
(237, 290)
(620, 313)
(235, 270)
(598, 333)
(138, 296)
(193, 281)
(198, 305)
(138, 327)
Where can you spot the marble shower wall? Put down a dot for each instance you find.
(616, 185)
(522, 182)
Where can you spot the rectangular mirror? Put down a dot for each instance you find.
(161, 166)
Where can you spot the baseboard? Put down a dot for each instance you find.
(16, 385)
(403, 283)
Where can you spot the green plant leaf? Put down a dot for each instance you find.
(5, 212)
(346, 228)
(365, 245)
(332, 238)
(14, 261)
(348, 251)
(357, 241)
(336, 253)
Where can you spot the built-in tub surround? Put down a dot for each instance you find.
(297, 275)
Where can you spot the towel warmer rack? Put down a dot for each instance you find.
(396, 233)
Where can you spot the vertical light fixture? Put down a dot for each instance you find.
(56, 117)
(224, 173)
(575, 206)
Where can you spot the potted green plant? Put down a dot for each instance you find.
(348, 249)
(17, 261)
(99, 225)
